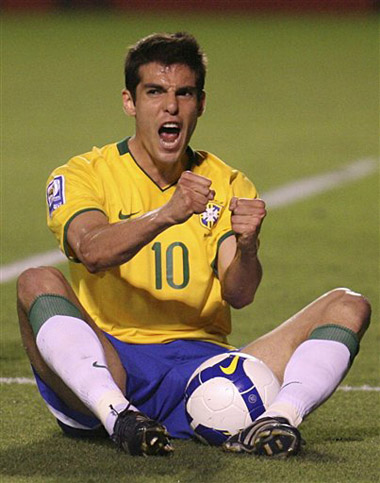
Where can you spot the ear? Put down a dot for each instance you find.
(202, 104)
(128, 103)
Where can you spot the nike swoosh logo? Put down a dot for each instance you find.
(100, 366)
(125, 217)
(231, 368)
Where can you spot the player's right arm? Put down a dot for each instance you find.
(100, 245)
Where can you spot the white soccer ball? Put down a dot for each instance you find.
(227, 393)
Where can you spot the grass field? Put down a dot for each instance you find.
(288, 98)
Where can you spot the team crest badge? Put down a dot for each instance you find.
(211, 215)
(55, 193)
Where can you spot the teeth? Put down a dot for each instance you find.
(170, 124)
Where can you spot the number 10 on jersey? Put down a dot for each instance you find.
(176, 277)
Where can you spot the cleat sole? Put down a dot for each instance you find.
(269, 437)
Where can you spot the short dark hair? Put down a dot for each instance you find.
(166, 49)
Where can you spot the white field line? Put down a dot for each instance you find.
(365, 387)
(18, 380)
(31, 381)
(276, 198)
(307, 187)
(13, 270)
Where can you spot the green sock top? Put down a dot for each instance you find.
(48, 305)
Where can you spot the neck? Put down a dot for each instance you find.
(163, 174)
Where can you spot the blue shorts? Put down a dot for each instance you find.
(157, 375)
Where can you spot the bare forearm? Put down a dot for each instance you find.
(241, 279)
(112, 245)
(100, 245)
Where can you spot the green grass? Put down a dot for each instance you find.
(287, 98)
(335, 451)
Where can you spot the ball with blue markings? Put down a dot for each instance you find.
(227, 393)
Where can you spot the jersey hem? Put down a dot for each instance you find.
(225, 345)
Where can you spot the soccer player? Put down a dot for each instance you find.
(161, 241)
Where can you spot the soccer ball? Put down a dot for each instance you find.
(227, 393)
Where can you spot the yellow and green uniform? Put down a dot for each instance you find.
(170, 289)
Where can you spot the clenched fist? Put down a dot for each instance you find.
(191, 196)
(247, 215)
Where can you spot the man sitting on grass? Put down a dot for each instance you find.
(161, 241)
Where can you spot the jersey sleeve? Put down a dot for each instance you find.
(71, 190)
(241, 186)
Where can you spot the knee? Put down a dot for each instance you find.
(352, 308)
(37, 281)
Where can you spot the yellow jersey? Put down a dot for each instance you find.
(169, 290)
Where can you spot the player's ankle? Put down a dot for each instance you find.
(283, 410)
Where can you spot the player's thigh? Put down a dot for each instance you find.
(275, 349)
(339, 306)
(49, 280)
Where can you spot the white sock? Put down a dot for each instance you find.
(73, 351)
(311, 376)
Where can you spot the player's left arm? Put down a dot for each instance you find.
(239, 268)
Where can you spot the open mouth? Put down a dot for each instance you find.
(169, 133)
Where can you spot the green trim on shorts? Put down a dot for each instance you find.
(48, 305)
(340, 334)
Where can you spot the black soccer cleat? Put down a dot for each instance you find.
(137, 434)
(273, 437)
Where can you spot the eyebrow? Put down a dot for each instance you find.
(156, 86)
(162, 88)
